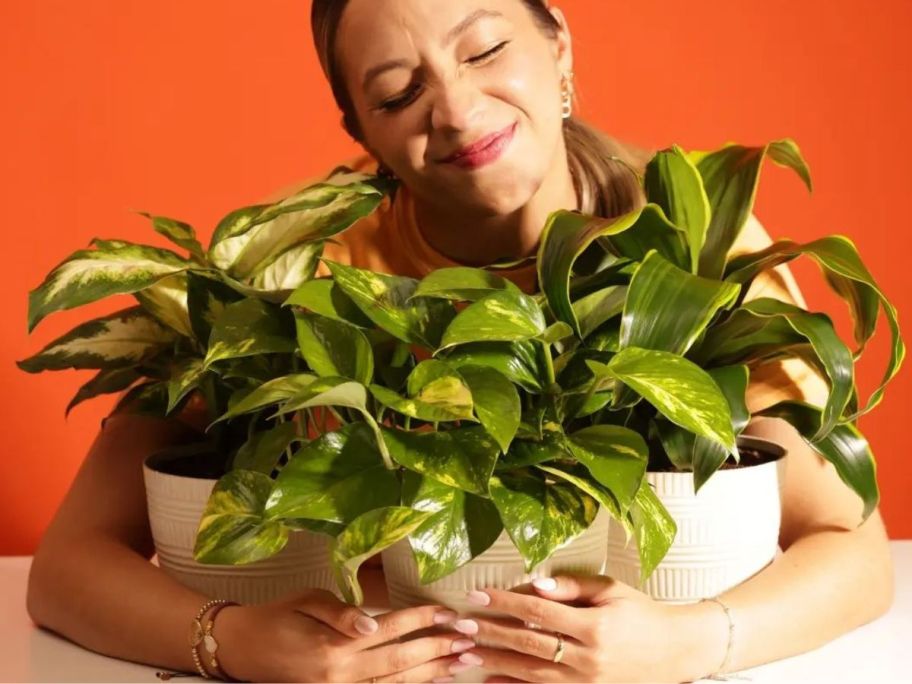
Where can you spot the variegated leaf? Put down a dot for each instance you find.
(503, 316)
(167, 301)
(178, 232)
(366, 536)
(250, 327)
(289, 270)
(185, 377)
(207, 298)
(462, 284)
(115, 267)
(107, 381)
(233, 529)
(270, 393)
(120, 339)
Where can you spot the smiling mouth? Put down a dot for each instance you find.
(485, 151)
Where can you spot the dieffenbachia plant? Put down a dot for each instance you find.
(204, 319)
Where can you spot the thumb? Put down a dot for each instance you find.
(591, 589)
(325, 607)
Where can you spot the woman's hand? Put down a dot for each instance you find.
(317, 638)
(610, 633)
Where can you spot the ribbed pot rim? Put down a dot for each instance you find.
(774, 451)
(155, 463)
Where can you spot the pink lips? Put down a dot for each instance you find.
(483, 151)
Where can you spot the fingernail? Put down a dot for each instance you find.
(479, 598)
(471, 659)
(461, 645)
(545, 583)
(444, 617)
(458, 667)
(366, 625)
(442, 680)
(469, 627)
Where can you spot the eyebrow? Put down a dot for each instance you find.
(450, 36)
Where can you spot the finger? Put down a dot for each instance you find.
(398, 623)
(520, 666)
(588, 589)
(435, 671)
(512, 635)
(501, 680)
(389, 660)
(549, 615)
(325, 607)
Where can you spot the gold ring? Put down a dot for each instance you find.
(559, 651)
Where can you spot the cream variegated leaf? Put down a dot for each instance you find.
(114, 267)
(315, 213)
(121, 339)
(106, 381)
(178, 232)
(289, 270)
(167, 301)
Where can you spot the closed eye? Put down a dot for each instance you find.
(490, 53)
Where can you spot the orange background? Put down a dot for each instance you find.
(189, 109)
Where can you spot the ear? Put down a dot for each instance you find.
(564, 41)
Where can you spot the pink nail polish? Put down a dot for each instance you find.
(469, 627)
(471, 659)
(458, 667)
(444, 617)
(366, 625)
(461, 645)
(478, 598)
(545, 583)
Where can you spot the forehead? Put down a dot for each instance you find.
(375, 30)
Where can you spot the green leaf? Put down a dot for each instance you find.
(520, 362)
(439, 384)
(336, 477)
(387, 301)
(541, 517)
(615, 456)
(654, 528)
(206, 300)
(730, 177)
(602, 305)
(262, 450)
(568, 234)
(496, 400)
(270, 393)
(323, 296)
(178, 232)
(248, 328)
(366, 536)
(317, 212)
(673, 183)
(845, 447)
(107, 381)
(462, 458)
(124, 338)
(233, 530)
(759, 341)
(185, 376)
(839, 259)
(93, 274)
(504, 316)
(461, 526)
(582, 479)
(333, 348)
(667, 308)
(462, 284)
(681, 391)
(167, 301)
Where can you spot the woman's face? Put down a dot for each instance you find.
(429, 78)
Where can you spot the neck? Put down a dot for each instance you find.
(480, 239)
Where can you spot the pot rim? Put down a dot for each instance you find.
(774, 452)
(157, 461)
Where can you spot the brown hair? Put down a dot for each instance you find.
(598, 163)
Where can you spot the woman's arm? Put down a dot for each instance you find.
(832, 577)
(91, 580)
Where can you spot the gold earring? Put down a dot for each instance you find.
(567, 94)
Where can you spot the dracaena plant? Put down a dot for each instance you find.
(190, 327)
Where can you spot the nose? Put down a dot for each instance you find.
(456, 106)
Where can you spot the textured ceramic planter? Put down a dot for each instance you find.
(500, 566)
(726, 533)
(176, 504)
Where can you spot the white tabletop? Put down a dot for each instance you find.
(878, 652)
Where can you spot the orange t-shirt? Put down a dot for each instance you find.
(390, 241)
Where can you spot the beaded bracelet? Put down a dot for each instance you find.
(211, 645)
(200, 635)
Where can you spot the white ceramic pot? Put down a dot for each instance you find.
(726, 533)
(499, 567)
(176, 504)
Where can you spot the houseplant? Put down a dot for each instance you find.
(666, 291)
(186, 336)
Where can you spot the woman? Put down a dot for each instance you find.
(466, 102)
